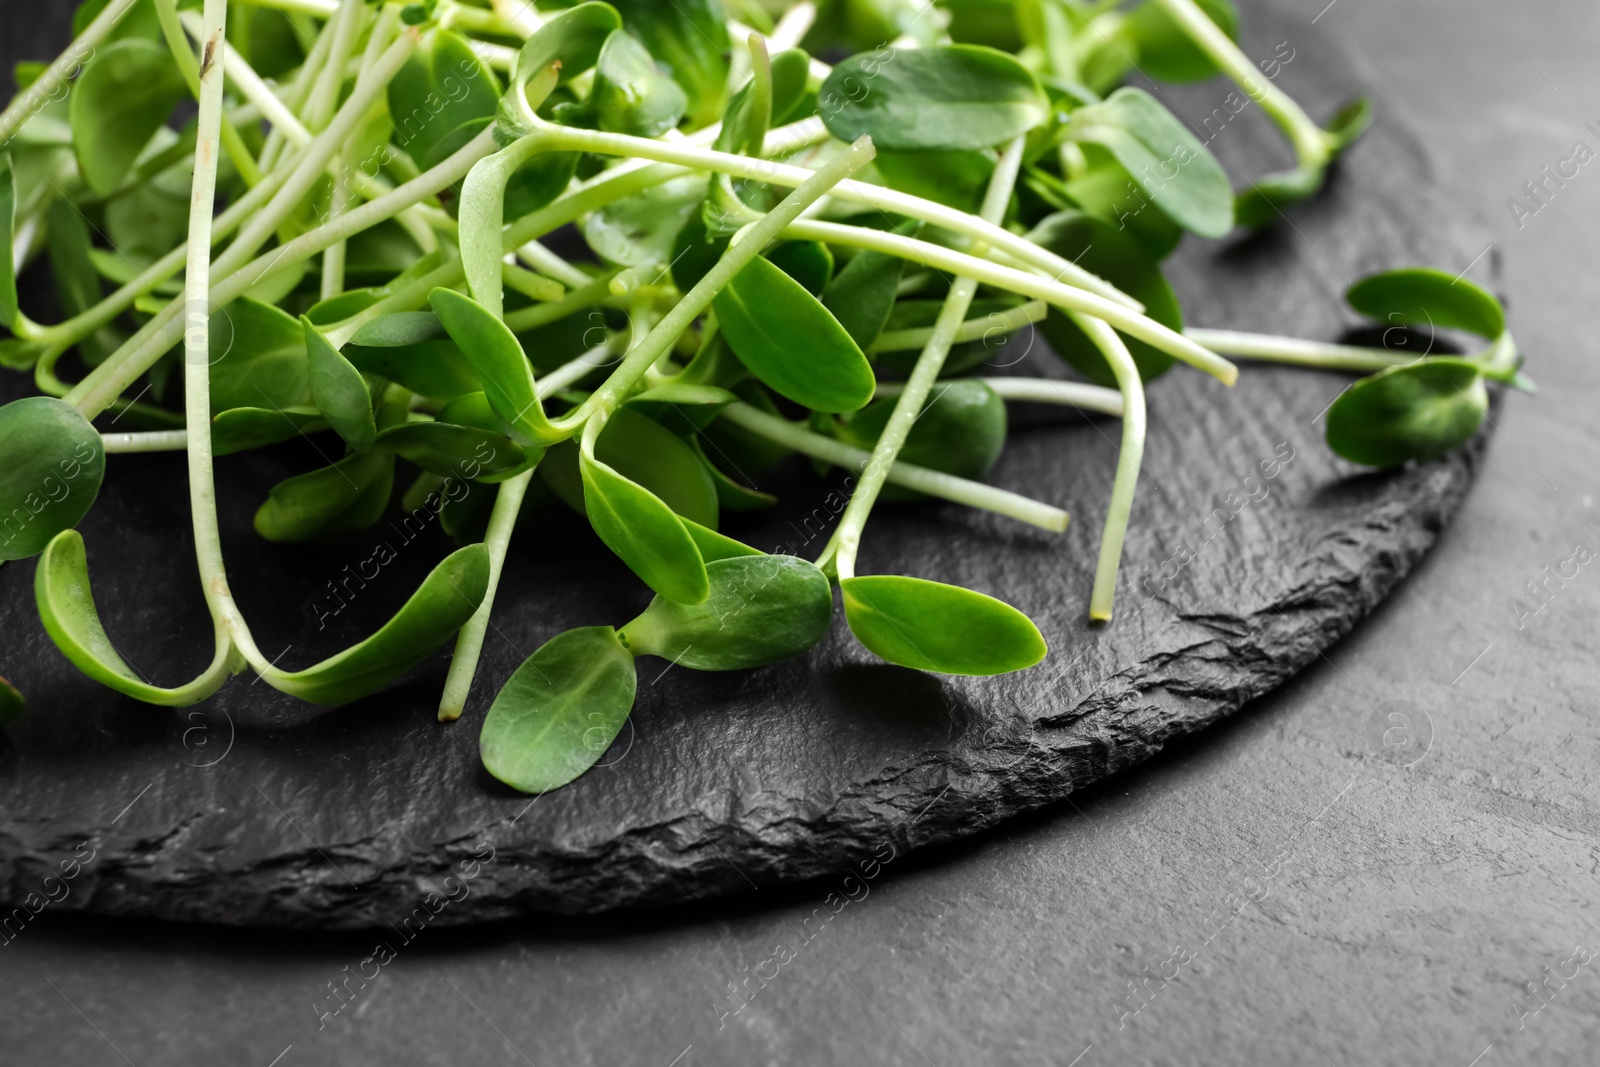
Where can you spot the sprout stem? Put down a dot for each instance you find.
(1079, 395)
(846, 540)
(1066, 297)
(1312, 146)
(28, 103)
(922, 479)
(971, 330)
(1129, 459)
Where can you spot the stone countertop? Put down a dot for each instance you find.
(1270, 891)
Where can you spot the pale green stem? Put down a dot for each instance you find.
(197, 354)
(119, 371)
(1298, 353)
(189, 68)
(745, 246)
(1023, 283)
(748, 244)
(153, 441)
(325, 90)
(541, 258)
(1129, 458)
(533, 286)
(29, 102)
(333, 257)
(906, 475)
(469, 642)
(972, 330)
(874, 196)
(1312, 146)
(1040, 391)
(574, 301)
(840, 553)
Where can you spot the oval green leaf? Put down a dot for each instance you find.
(340, 393)
(1419, 412)
(54, 464)
(761, 609)
(349, 495)
(1166, 160)
(124, 95)
(630, 95)
(413, 349)
(914, 100)
(241, 429)
(507, 376)
(452, 450)
(689, 38)
(258, 358)
(67, 610)
(644, 533)
(1424, 298)
(446, 599)
(442, 85)
(791, 342)
(930, 626)
(559, 711)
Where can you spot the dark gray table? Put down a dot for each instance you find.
(1271, 891)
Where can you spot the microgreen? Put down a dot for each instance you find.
(362, 264)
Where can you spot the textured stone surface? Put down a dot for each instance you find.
(254, 810)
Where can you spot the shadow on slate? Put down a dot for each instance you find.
(256, 810)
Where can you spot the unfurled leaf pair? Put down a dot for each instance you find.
(445, 600)
(1425, 409)
(564, 706)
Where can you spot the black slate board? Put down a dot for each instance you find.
(257, 810)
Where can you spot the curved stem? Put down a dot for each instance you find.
(1129, 459)
(1312, 146)
(1078, 395)
(971, 330)
(1065, 297)
(874, 196)
(846, 540)
(229, 624)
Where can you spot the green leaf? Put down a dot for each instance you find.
(863, 293)
(442, 85)
(808, 262)
(11, 703)
(1125, 262)
(121, 99)
(914, 100)
(77, 280)
(689, 38)
(242, 429)
(961, 430)
(446, 599)
(630, 95)
(506, 375)
(644, 532)
(339, 391)
(714, 546)
(258, 358)
(1166, 160)
(1165, 52)
(732, 494)
(449, 449)
(574, 36)
(641, 230)
(67, 610)
(1107, 191)
(413, 349)
(791, 342)
(955, 179)
(942, 628)
(349, 495)
(1424, 298)
(1419, 411)
(8, 276)
(761, 609)
(559, 711)
(647, 453)
(54, 464)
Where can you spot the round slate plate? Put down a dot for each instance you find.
(1251, 551)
